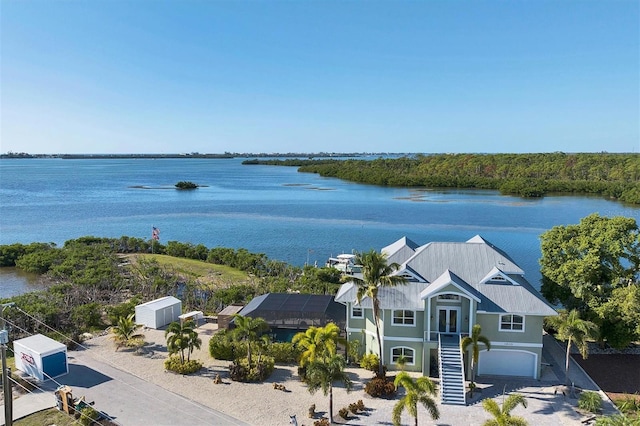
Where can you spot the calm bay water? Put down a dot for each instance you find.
(289, 216)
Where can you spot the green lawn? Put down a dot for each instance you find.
(47, 417)
(207, 273)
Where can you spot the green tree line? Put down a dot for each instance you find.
(615, 176)
(92, 283)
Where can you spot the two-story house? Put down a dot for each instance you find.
(450, 287)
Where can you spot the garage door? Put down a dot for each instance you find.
(497, 362)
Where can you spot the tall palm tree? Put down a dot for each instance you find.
(249, 329)
(181, 337)
(318, 342)
(323, 373)
(571, 328)
(502, 415)
(376, 273)
(126, 331)
(474, 341)
(417, 391)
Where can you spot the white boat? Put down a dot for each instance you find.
(344, 263)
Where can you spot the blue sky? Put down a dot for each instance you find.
(151, 76)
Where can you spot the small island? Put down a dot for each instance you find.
(186, 185)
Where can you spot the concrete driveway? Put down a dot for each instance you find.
(130, 400)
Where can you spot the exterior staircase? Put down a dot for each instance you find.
(451, 370)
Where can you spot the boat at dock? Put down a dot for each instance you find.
(345, 263)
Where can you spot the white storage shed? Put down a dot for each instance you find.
(160, 312)
(41, 357)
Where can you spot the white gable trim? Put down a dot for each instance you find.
(436, 286)
(495, 272)
(405, 271)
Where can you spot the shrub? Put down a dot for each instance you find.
(284, 352)
(353, 351)
(122, 310)
(617, 420)
(380, 387)
(322, 422)
(590, 401)
(240, 371)
(89, 416)
(220, 347)
(628, 404)
(370, 362)
(174, 364)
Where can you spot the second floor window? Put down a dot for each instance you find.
(404, 317)
(356, 312)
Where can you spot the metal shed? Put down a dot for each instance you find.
(158, 313)
(41, 357)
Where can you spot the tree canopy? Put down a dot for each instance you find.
(593, 267)
(528, 175)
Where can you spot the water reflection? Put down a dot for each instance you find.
(14, 281)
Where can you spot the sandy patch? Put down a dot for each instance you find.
(253, 403)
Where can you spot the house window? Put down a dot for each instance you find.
(402, 351)
(511, 323)
(356, 312)
(453, 297)
(403, 317)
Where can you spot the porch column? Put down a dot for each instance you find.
(470, 311)
(429, 319)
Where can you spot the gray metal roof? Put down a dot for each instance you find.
(400, 251)
(405, 296)
(447, 278)
(467, 265)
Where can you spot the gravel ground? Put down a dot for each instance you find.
(261, 404)
(254, 403)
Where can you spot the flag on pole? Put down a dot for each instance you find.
(155, 233)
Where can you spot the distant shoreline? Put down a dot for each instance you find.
(19, 155)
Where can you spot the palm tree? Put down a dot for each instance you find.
(126, 331)
(181, 337)
(318, 342)
(322, 373)
(376, 273)
(474, 341)
(420, 390)
(249, 329)
(571, 328)
(193, 342)
(502, 415)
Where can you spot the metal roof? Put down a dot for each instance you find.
(399, 251)
(41, 344)
(163, 302)
(464, 264)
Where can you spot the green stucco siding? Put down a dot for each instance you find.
(490, 328)
(417, 351)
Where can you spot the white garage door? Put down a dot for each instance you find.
(499, 362)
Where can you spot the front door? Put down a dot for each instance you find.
(448, 319)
